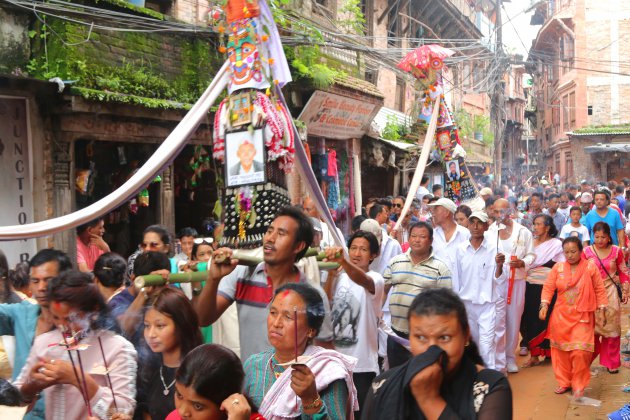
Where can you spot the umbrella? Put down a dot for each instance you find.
(425, 57)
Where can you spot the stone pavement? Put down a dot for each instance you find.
(533, 395)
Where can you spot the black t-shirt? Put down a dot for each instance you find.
(151, 398)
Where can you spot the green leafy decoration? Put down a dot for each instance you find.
(354, 20)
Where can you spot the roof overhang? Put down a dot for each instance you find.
(608, 148)
(405, 147)
(553, 24)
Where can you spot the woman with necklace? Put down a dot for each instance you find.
(320, 385)
(82, 367)
(548, 250)
(608, 258)
(581, 299)
(171, 331)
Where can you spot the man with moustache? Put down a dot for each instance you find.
(25, 320)
(285, 242)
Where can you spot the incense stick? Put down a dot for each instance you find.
(295, 318)
(84, 382)
(109, 379)
(76, 373)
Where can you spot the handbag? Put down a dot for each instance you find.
(617, 285)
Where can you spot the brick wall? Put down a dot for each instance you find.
(583, 163)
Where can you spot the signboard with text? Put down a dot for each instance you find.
(16, 203)
(337, 117)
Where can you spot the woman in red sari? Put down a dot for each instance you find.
(608, 258)
(571, 330)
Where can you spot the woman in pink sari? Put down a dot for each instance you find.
(571, 330)
(608, 258)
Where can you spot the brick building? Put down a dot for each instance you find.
(578, 64)
(515, 152)
(116, 95)
(125, 77)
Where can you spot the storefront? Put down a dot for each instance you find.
(109, 147)
(65, 152)
(335, 121)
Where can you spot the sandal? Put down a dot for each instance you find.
(613, 371)
(562, 390)
(533, 361)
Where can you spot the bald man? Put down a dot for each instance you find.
(327, 238)
(516, 241)
(247, 164)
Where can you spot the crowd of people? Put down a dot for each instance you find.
(419, 319)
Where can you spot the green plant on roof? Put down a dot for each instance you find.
(394, 130)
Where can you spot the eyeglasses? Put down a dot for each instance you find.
(199, 241)
(397, 205)
(149, 245)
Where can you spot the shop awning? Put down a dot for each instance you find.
(610, 147)
(387, 114)
(405, 147)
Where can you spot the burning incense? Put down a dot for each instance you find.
(295, 320)
(76, 374)
(109, 379)
(84, 383)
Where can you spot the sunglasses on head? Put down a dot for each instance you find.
(200, 241)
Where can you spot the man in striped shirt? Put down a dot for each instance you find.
(407, 275)
(287, 238)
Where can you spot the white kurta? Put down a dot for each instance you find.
(389, 249)
(445, 250)
(521, 244)
(479, 289)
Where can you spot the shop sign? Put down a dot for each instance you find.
(337, 117)
(16, 205)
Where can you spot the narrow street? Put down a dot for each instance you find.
(534, 398)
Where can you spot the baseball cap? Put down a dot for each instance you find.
(485, 191)
(586, 198)
(372, 226)
(481, 215)
(446, 203)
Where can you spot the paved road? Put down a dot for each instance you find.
(534, 398)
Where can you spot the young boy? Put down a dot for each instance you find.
(575, 228)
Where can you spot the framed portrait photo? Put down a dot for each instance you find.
(244, 158)
(452, 170)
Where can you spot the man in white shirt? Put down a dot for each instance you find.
(389, 246)
(477, 276)
(517, 242)
(356, 294)
(327, 238)
(447, 234)
(422, 189)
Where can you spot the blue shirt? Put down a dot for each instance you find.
(612, 218)
(622, 201)
(20, 321)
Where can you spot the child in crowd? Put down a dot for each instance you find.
(575, 228)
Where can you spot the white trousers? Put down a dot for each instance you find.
(514, 315)
(482, 322)
(499, 336)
